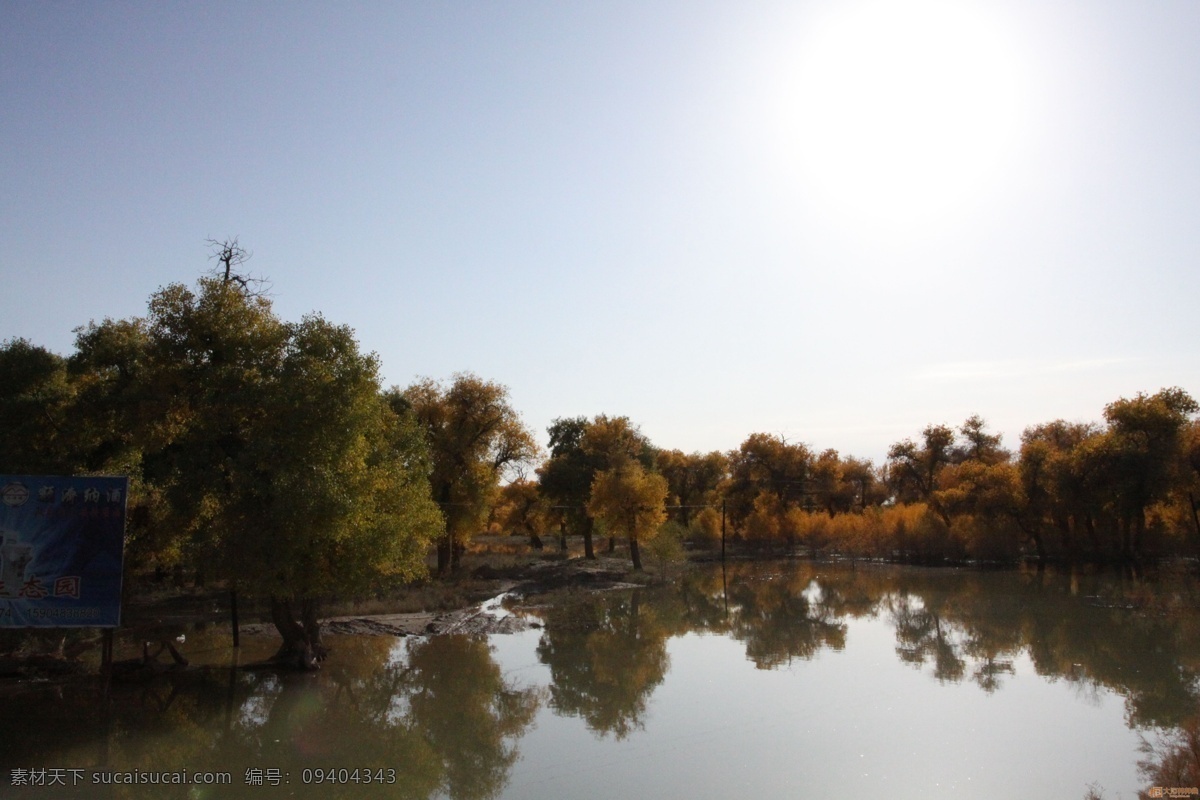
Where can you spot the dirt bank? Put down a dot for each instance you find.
(485, 600)
(501, 613)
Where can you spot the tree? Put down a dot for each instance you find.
(523, 508)
(615, 441)
(231, 257)
(474, 435)
(117, 418)
(914, 469)
(336, 482)
(978, 444)
(579, 450)
(279, 460)
(35, 396)
(1054, 490)
(631, 501)
(1145, 446)
(1191, 469)
(861, 475)
(565, 480)
(767, 463)
(693, 478)
(667, 546)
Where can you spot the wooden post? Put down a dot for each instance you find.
(233, 614)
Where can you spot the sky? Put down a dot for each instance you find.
(836, 221)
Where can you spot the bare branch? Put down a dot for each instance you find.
(230, 257)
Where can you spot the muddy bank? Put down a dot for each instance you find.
(502, 613)
(490, 599)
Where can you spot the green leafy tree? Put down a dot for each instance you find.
(667, 546)
(36, 393)
(566, 479)
(277, 456)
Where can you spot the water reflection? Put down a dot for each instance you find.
(606, 654)
(438, 713)
(783, 618)
(444, 714)
(1135, 637)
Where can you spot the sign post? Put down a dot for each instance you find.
(62, 541)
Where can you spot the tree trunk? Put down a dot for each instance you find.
(301, 648)
(1036, 535)
(1139, 531)
(1068, 540)
(634, 554)
(535, 541)
(1093, 535)
(612, 544)
(457, 550)
(1195, 514)
(588, 550)
(312, 627)
(443, 555)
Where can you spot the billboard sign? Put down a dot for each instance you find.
(62, 540)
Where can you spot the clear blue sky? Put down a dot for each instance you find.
(835, 220)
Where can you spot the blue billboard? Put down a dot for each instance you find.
(61, 544)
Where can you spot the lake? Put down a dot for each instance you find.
(769, 679)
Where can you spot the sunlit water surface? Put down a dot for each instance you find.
(774, 680)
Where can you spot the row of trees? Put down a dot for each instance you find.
(1119, 491)
(267, 453)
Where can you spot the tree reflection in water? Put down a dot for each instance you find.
(783, 618)
(607, 652)
(437, 711)
(441, 713)
(606, 655)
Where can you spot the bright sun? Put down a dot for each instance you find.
(906, 110)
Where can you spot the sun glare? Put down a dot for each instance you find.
(905, 110)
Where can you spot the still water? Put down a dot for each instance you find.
(770, 680)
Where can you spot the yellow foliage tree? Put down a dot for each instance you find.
(630, 501)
